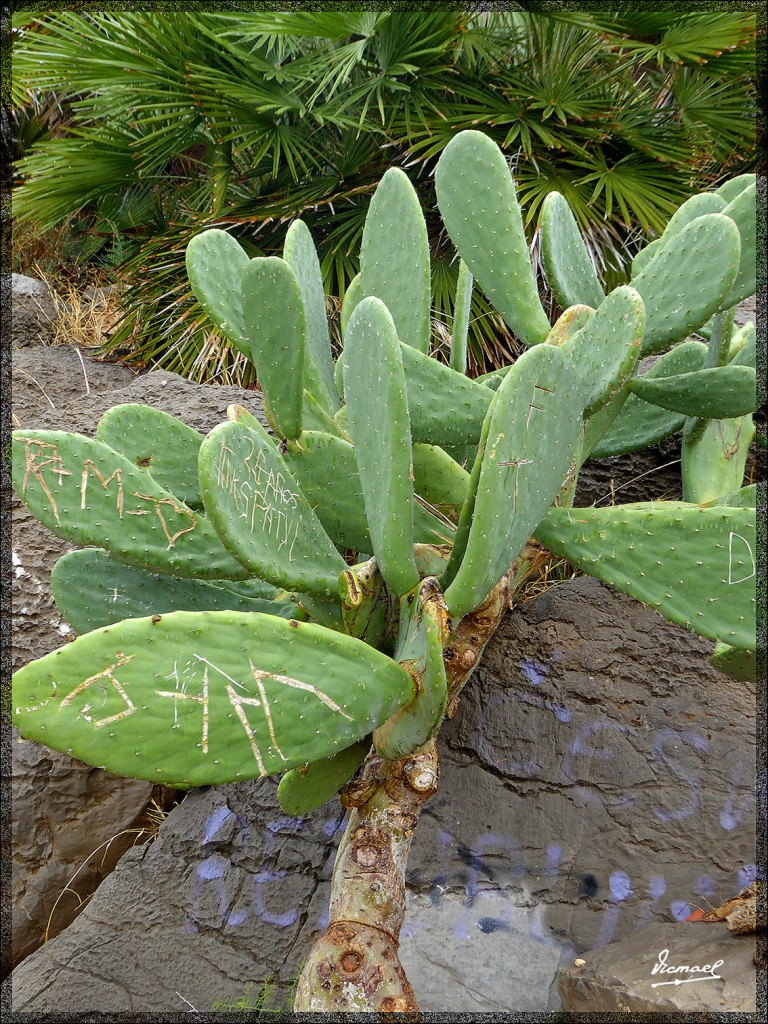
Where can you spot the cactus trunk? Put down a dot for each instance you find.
(354, 966)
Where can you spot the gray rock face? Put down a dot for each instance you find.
(597, 777)
(33, 311)
(71, 824)
(665, 968)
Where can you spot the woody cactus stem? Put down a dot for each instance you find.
(355, 966)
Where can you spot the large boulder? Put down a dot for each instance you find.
(34, 311)
(597, 777)
(665, 968)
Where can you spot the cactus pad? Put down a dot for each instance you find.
(461, 311)
(273, 313)
(89, 494)
(478, 202)
(569, 268)
(716, 392)
(531, 436)
(374, 387)
(688, 280)
(215, 265)
(639, 423)
(301, 256)
(445, 407)
(423, 619)
(605, 351)
(200, 698)
(93, 590)
(160, 444)
(394, 258)
(694, 565)
(714, 457)
(303, 790)
(260, 513)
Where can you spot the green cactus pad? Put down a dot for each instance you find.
(326, 470)
(640, 424)
(714, 457)
(260, 513)
(273, 312)
(696, 566)
(644, 257)
(743, 346)
(89, 494)
(743, 212)
(303, 790)
(215, 265)
(324, 610)
(730, 189)
(445, 407)
(532, 433)
(301, 256)
(461, 311)
(374, 388)
(394, 258)
(157, 443)
(605, 351)
(738, 664)
(314, 416)
(92, 590)
(478, 203)
(439, 479)
(352, 296)
(688, 280)
(201, 698)
(568, 324)
(716, 392)
(744, 497)
(697, 206)
(369, 609)
(420, 652)
(570, 272)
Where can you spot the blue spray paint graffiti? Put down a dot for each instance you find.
(502, 863)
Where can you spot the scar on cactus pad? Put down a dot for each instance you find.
(309, 601)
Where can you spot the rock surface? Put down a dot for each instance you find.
(71, 824)
(582, 795)
(620, 978)
(597, 777)
(34, 311)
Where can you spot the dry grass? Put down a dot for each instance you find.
(81, 320)
(540, 572)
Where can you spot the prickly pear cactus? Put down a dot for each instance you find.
(310, 602)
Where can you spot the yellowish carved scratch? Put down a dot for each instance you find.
(35, 467)
(267, 713)
(107, 673)
(89, 465)
(181, 509)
